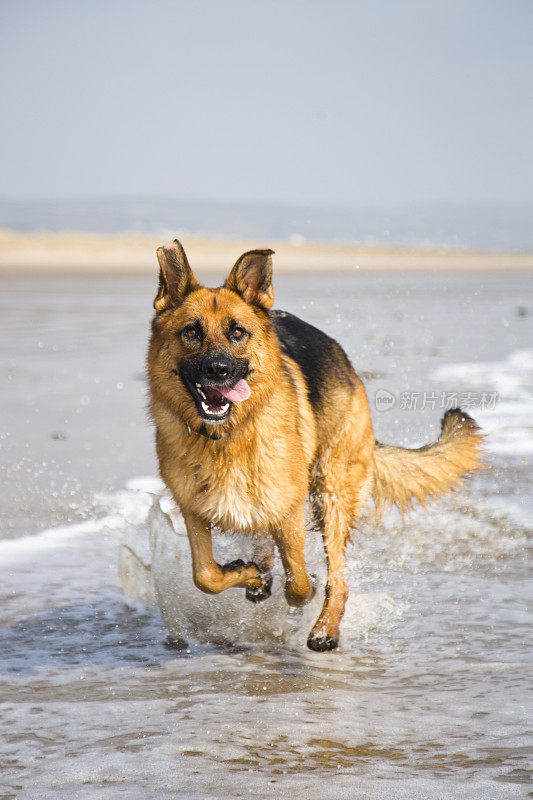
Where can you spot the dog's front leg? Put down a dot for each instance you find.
(209, 576)
(289, 539)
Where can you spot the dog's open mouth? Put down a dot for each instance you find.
(214, 402)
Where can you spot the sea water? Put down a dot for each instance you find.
(427, 696)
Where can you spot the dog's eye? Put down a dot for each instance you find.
(191, 332)
(237, 333)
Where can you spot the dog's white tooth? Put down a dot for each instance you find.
(214, 412)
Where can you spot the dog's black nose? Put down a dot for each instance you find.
(217, 367)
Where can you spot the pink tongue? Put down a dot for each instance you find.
(241, 391)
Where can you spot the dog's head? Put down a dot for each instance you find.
(212, 353)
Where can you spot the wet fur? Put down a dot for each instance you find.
(304, 431)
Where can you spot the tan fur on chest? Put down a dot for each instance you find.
(233, 498)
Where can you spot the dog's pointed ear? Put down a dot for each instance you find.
(175, 277)
(251, 277)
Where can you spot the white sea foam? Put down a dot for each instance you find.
(30, 548)
(146, 483)
(512, 379)
(509, 427)
(509, 424)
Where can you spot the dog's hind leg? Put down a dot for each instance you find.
(209, 576)
(325, 633)
(336, 507)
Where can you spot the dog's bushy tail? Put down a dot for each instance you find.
(402, 476)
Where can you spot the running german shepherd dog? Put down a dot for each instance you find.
(254, 411)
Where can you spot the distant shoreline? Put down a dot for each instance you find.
(85, 253)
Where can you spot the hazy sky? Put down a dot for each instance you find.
(367, 103)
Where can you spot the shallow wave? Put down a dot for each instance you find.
(512, 378)
(508, 424)
(78, 562)
(155, 568)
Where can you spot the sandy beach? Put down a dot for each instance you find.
(30, 253)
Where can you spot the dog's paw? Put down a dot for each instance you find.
(238, 564)
(256, 594)
(320, 643)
